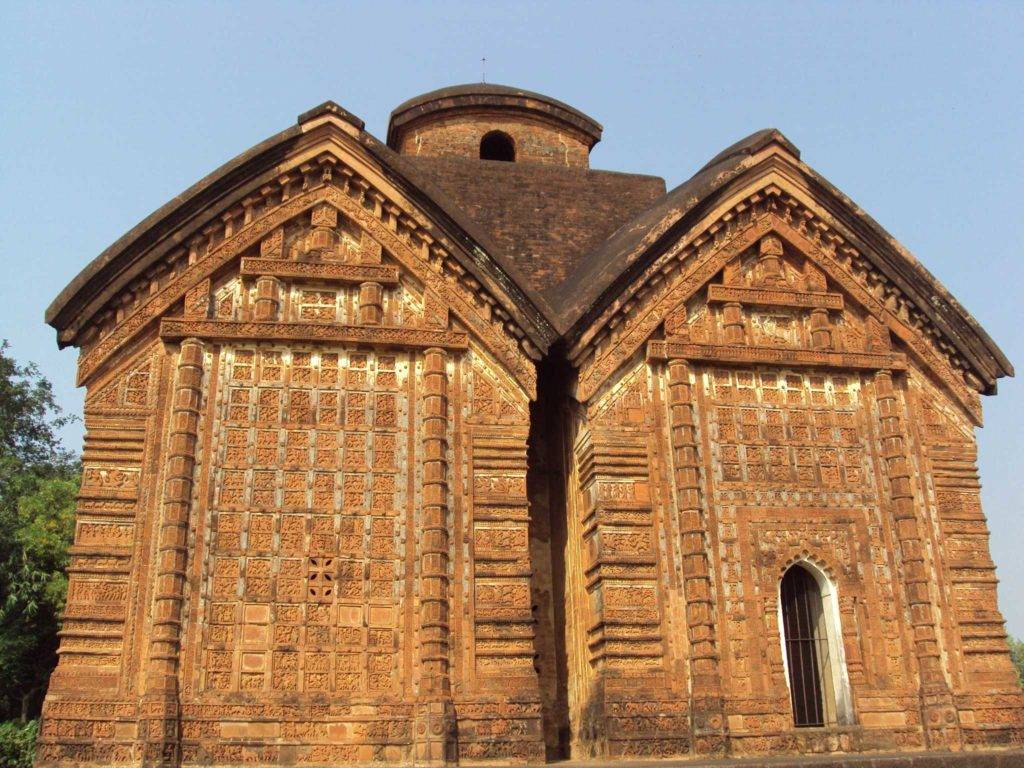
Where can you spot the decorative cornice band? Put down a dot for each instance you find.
(385, 274)
(725, 353)
(117, 412)
(774, 297)
(172, 329)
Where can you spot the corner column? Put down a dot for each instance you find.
(159, 719)
(707, 711)
(938, 713)
(434, 730)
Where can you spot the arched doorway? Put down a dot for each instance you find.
(811, 638)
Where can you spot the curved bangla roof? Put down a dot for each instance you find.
(560, 243)
(635, 242)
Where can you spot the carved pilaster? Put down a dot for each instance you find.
(706, 706)
(821, 329)
(770, 260)
(371, 303)
(938, 711)
(322, 237)
(268, 299)
(434, 727)
(776, 667)
(159, 726)
(732, 322)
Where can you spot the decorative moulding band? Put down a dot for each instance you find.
(774, 297)
(816, 358)
(172, 329)
(327, 272)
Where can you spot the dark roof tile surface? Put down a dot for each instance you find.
(544, 219)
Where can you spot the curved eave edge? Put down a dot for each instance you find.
(988, 361)
(169, 220)
(176, 221)
(931, 296)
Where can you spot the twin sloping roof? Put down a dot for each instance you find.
(564, 240)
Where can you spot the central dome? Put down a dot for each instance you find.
(493, 122)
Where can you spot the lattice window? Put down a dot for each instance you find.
(320, 575)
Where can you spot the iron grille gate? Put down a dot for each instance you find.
(807, 652)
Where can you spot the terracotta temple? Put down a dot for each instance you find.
(450, 449)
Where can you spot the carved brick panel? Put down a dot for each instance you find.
(306, 531)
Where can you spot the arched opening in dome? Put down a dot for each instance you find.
(498, 145)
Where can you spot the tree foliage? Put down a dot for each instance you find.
(38, 484)
(17, 744)
(1017, 655)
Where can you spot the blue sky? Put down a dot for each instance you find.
(916, 110)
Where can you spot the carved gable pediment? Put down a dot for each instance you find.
(772, 303)
(323, 254)
(766, 283)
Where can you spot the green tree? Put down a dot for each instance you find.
(17, 744)
(1017, 655)
(38, 484)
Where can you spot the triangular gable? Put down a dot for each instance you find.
(773, 197)
(605, 320)
(328, 161)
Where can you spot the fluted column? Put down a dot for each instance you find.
(706, 705)
(435, 724)
(939, 715)
(159, 726)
